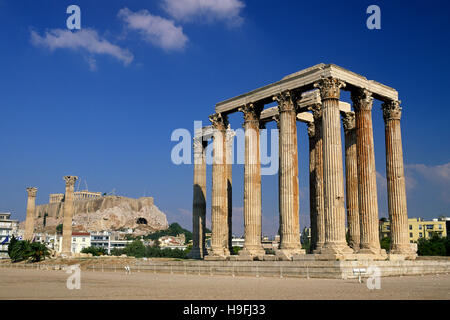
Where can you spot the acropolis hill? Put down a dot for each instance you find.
(94, 212)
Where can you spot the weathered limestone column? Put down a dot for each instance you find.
(312, 185)
(395, 176)
(219, 207)
(367, 180)
(31, 214)
(289, 193)
(229, 167)
(68, 216)
(277, 120)
(318, 161)
(198, 250)
(252, 183)
(335, 243)
(351, 180)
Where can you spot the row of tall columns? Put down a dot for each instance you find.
(66, 247)
(31, 213)
(328, 211)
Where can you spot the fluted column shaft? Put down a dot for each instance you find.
(351, 180)
(252, 182)
(312, 185)
(288, 171)
(367, 181)
(68, 215)
(229, 163)
(31, 214)
(334, 209)
(319, 191)
(199, 202)
(219, 202)
(395, 177)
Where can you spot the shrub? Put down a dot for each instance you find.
(95, 251)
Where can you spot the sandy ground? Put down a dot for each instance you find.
(51, 284)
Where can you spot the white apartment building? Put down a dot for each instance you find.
(8, 228)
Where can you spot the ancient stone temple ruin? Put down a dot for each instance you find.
(312, 96)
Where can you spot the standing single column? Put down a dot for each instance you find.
(351, 180)
(289, 193)
(68, 216)
(312, 185)
(333, 174)
(367, 179)
(199, 204)
(318, 161)
(229, 167)
(395, 177)
(31, 214)
(219, 206)
(252, 182)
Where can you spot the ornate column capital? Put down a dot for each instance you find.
(317, 111)
(362, 99)
(285, 101)
(311, 129)
(252, 112)
(219, 121)
(32, 191)
(348, 121)
(391, 110)
(330, 88)
(70, 180)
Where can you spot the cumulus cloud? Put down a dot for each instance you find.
(439, 173)
(157, 30)
(209, 10)
(85, 40)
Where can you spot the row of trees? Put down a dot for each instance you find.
(24, 250)
(433, 246)
(139, 250)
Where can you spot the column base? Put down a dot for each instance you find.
(254, 251)
(371, 250)
(336, 249)
(287, 254)
(319, 247)
(195, 253)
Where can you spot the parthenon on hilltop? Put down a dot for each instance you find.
(312, 96)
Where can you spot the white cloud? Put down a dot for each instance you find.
(209, 10)
(159, 31)
(439, 174)
(86, 40)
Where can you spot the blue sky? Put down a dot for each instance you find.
(102, 102)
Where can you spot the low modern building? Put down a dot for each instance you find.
(8, 228)
(418, 228)
(80, 240)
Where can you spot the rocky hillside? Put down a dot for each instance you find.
(107, 213)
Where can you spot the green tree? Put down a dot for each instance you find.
(19, 250)
(135, 249)
(59, 228)
(385, 243)
(434, 246)
(11, 245)
(95, 251)
(38, 251)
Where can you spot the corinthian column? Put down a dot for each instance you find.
(219, 208)
(31, 214)
(288, 177)
(252, 182)
(68, 216)
(351, 180)
(367, 179)
(395, 176)
(229, 174)
(333, 175)
(318, 176)
(312, 185)
(198, 250)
